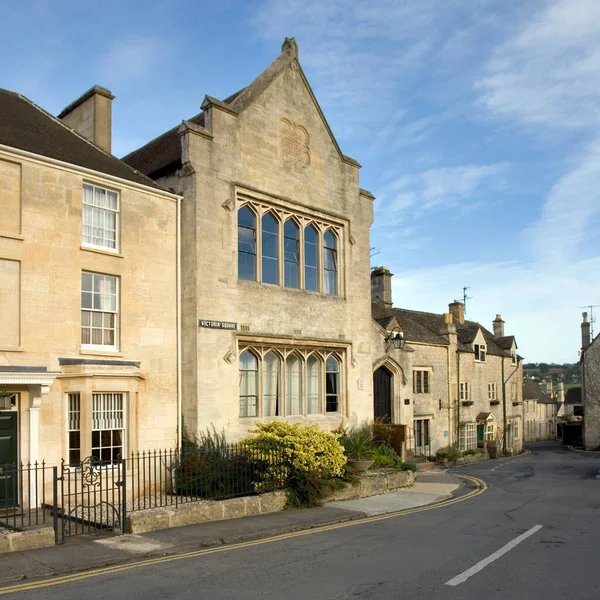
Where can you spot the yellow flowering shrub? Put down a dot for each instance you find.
(299, 447)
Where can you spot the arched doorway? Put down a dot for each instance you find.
(382, 394)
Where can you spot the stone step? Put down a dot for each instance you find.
(425, 466)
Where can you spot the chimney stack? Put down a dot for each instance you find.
(457, 310)
(381, 285)
(585, 331)
(498, 324)
(561, 392)
(91, 117)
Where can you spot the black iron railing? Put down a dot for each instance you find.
(25, 492)
(171, 477)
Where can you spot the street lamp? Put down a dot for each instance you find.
(396, 338)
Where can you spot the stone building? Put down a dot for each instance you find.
(540, 411)
(88, 291)
(590, 389)
(464, 382)
(275, 283)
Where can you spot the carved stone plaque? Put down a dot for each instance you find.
(293, 142)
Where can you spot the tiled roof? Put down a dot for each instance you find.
(26, 126)
(573, 395)
(162, 155)
(533, 391)
(505, 342)
(425, 328)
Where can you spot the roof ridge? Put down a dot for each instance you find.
(59, 122)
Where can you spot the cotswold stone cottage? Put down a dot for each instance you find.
(275, 234)
(590, 389)
(466, 382)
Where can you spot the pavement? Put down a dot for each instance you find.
(85, 552)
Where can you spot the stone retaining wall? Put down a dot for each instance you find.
(200, 512)
(11, 541)
(464, 460)
(372, 484)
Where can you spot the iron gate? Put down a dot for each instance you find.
(90, 497)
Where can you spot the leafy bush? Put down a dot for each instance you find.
(386, 456)
(307, 459)
(409, 467)
(450, 453)
(383, 432)
(473, 451)
(358, 442)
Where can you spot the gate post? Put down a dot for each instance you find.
(124, 497)
(55, 502)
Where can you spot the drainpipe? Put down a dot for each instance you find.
(179, 326)
(503, 409)
(458, 397)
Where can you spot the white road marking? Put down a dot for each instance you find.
(462, 577)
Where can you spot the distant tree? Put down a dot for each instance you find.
(544, 367)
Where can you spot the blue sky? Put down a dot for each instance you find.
(476, 122)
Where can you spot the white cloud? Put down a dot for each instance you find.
(540, 304)
(574, 200)
(549, 71)
(441, 188)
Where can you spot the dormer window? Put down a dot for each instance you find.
(513, 357)
(479, 352)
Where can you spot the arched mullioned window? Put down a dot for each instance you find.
(332, 385)
(271, 385)
(311, 259)
(270, 249)
(291, 252)
(293, 383)
(314, 378)
(330, 263)
(248, 384)
(246, 244)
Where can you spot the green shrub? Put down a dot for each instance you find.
(450, 453)
(409, 467)
(385, 456)
(473, 451)
(383, 432)
(307, 462)
(358, 442)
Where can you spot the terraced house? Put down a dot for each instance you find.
(275, 283)
(466, 380)
(88, 291)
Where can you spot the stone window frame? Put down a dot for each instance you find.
(419, 374)
(480, 352)
(260, 204)
(467, 438)
(260, 351)
(80, 420)
(492, 391)
(117, 215)
(117, 315)
(464, 390)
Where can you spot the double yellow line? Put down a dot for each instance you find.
(481, 487)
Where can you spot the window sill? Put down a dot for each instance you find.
(101, 251)
(12, 349)
(99, 352)
(11, 236)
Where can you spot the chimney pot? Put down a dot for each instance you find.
(585, 331)
(381, 286)
(498, 324)
(457, 310)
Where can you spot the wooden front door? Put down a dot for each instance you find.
(8, 459)
(382, 394)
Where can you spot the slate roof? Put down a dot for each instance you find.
(26, 126)
(425, 328)
(162, 155)
(573, 395)
(505, 342)
(533, 391)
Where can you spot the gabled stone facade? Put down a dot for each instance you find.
(590, 389)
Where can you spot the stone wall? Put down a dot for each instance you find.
(591, 395)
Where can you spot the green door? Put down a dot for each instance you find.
(480, 433)
(8, 459)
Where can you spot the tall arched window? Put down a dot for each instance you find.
(248, 385)
(293, 382)
(271, 385)
(270, 249)
(246, 244)
(330, 263)
(311, 259)
(332, 385)
(291, 244)
(314, 368)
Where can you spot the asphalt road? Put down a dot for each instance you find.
(535, 533)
